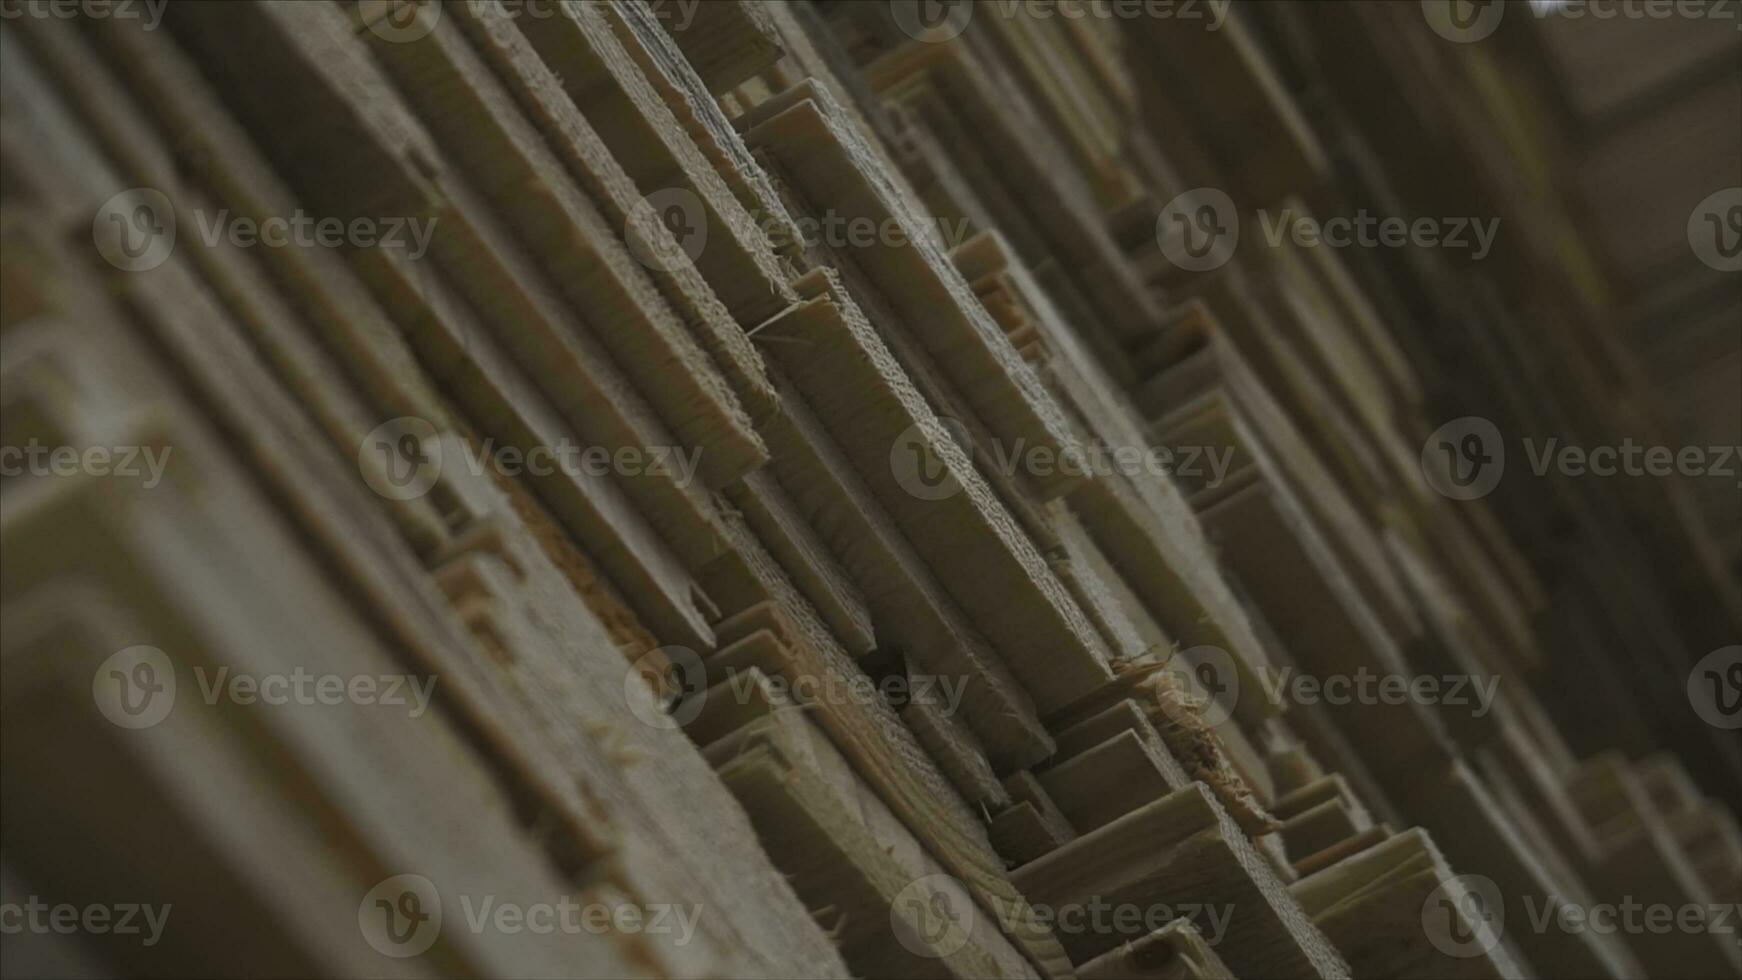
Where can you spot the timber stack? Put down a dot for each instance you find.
(636, 488)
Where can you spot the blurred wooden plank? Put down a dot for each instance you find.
(1184, 849)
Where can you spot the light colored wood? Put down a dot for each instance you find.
(827, 161)
(1310, 864)
(524, 721)
(214, 510)
(582, 47)
(1176, 951)
(792, 540)
(838, 363)
(1144, 529)
(1372, 904)
(616, 303)
(1085, 110)
(701, 116)
(1082, 568)
(593, 396)
(909, 606)
(851, 882)
(1005, 288)
(884, 753)
(1095, 729)
(1103, 783)
(1174, 706)
(868, 843)
(1245, 760)
(1184, 848)
(963, 98)
(1322, 826)
(727, 41)
(499, 394)
(697, 284)
(956, 750)
(1024, 787)
(1325, 789)
(1020, 834)
(1470, 825)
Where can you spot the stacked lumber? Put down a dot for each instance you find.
(855, 629)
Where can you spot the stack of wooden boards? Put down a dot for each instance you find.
(871, 698)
